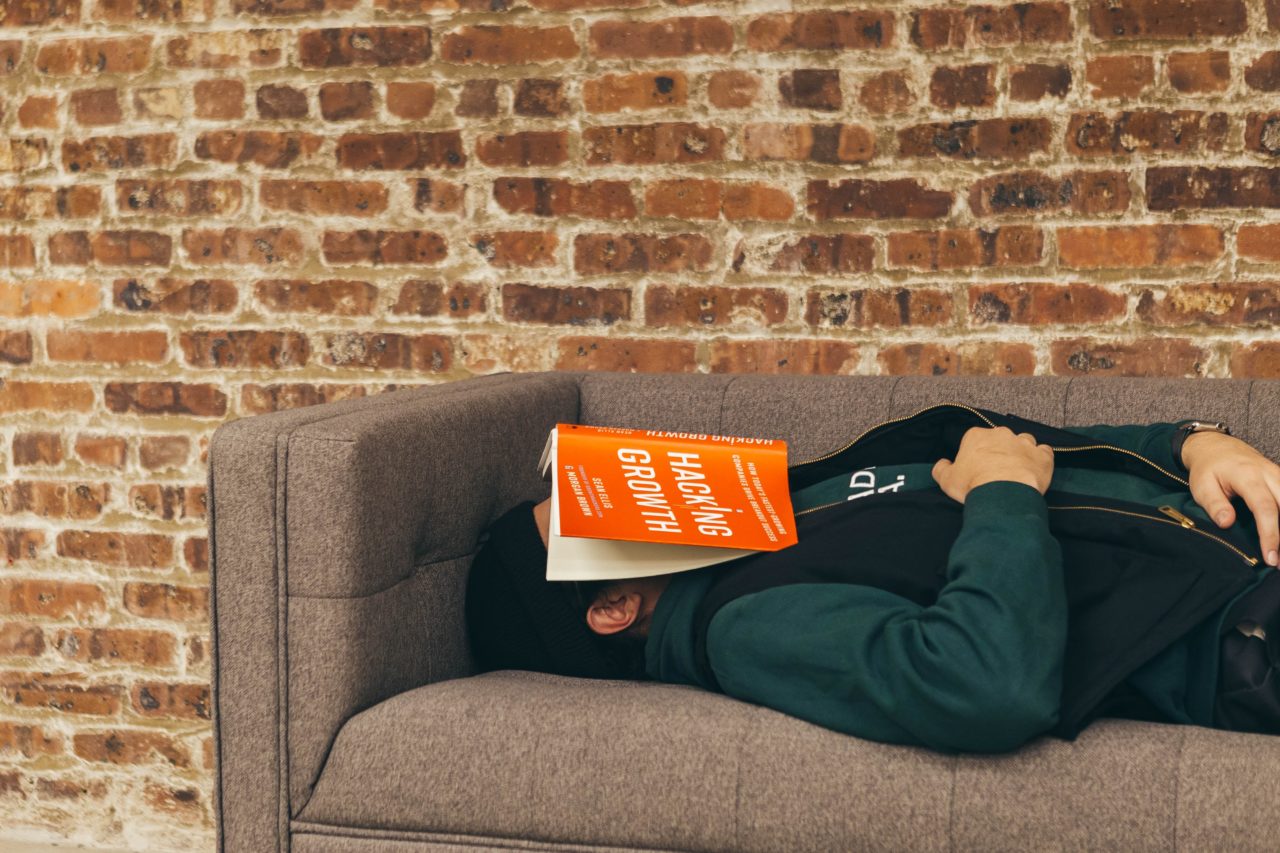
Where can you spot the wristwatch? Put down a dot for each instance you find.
(1180, 435)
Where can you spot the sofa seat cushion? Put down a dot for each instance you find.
(648, 765)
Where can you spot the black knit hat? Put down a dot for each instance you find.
(517, 619)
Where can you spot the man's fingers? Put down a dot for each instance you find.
(1257, 493)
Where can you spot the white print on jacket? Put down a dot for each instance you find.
(866, 479)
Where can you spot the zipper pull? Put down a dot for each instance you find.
(1182, 519)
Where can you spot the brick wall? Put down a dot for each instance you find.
(214, 209)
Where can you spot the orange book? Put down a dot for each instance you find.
(636, 502)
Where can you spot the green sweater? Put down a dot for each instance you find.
(981, 668)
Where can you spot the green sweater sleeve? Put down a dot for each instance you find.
(1154, 441)
(978, 670)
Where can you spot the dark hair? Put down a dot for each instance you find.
(627, 649)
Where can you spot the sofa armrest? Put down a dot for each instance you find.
(340, 539)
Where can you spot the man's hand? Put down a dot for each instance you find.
(1222, 467)
(987, 454)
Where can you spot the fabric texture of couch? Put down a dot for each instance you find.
(348, 716)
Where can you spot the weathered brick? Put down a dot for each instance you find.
(178, 197)
(219, 99)
(639, 144)
(17, 250)
(1021, 23)
(60, 692)
(511, 249)
(1256, 360)
(811, 89)
(953, 248)
(426, 150)
(733, 89)
(1171, 357)
(410, 99)
(965, 359)
(963, 86)
(672, 37)
(600, 254)
(96, 107)
(186, 701)
(330, 296)
(1144, 131)
(434, 299)
(104, 451)
(48, 202)
(1166, 19)
(129, 746)
(244, 348)
(167, 601)
(17, 544)
(159, 102)
(38, 111)
(438, 196)
(94, 55)
(985, 139)
(477, 99)
(1087, 193)
(819, 143)
(158, 452)
(855, 198)
(640, 91)
(364, 46)
(1035, 81)
(653, 355)
(1259, 242)
(843, 30)
(346, 101)
(1137, 246)
(107, 347)
(826, 254)
(281, 101)
(112, 248)
(777, 355)
(29, 741)
(272, 149)
(886, 93)
(1125, 76)
(1043, 303)
(386, 351)
(261, 48)
(175, 295)
(1228, 304)
(260, 399)
(536, 96)
(683, 198)
(37, 448)
(877, 307)
(21, 639)
(695, 307)
(49, 598)
(757, 200)
(560, 197)
(324, 198)
(104, 153)
(128, 646)
(1199, 72)
(257, 246)
(54, 499)
(131, 550)
(383, 247)
(1184, 188)
(138, 11)
(524, 148)
(498, 45)
(165, 398)
(1262, 133)
(577, 306)
(195, 553)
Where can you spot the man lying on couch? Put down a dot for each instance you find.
(934, 610)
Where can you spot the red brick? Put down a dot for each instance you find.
(113, 248)
(330, 296)
(383, 247)
(826, 254)
(1200, 72)
(1036, 81)
(52, 599)
(126, 746)
(434, 299)
(963, 86)
(17, 250)
(106, 451)
(96, 107)
(776, 355)
(272, 149)
(386, 351)
(29, 741)
(1144, 131)
(60, 692)
(654, 355)
(1259, 242)
(440, 150)
(438, 196)
(1264, 73)
(733, 89)
(244, 348)
(176, 701)
(258, 246)
(1120, 76)
(886, 93)
(496, 45)
(167, 601)
(128, 646)
(94, 56)
(261, 48)
(55, 499)
(219, 99)
(324, 198)
(345, 101)
(410, 99)
(477, 99)
(18, 545)
(673, 142)
(1021, 23)
(260, 399)
(687, 198)
(559, 197)
(1014, 245)
(1087, 193)
(602, 254)
(1262, 133)
(510, 249)
(195, 553)
(987, 139)
(578, 306)
(874, 307)
(540, 97)
(179, 197)
(280, 101)
(696, 307)
(1166, 19)
(1255, 361)
(1043, 304)
(37, 448)
(1273, 14)
(175, 296)
(1190, 188)
(965, 359)
(159, 452)
(811, 89)
(1138, 246)
(757, 200)
(671, 37)
(48, 202)
(107, 347)
(819, 143)
(133, 12)
(842, 30)
(1170, 357)
(24, 155)
(902, 198)
(129, 550)
(640, 91)
(38, 111)
(165, 398)
(1225, 304)
(526, 148)
(20, 639)
(364, 46)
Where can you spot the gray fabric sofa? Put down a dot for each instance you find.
(348, 716)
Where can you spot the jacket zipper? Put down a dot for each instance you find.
(1181, 519)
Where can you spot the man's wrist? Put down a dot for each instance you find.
(1195, 439)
